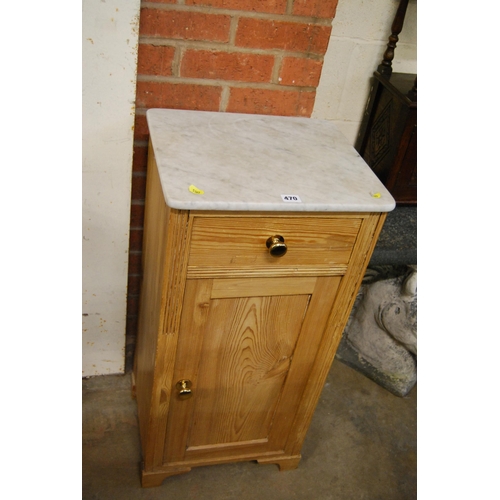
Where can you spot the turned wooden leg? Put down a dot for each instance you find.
(385, 67)
(285, 463)
(155, 478)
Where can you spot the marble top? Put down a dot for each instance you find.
(231, 161)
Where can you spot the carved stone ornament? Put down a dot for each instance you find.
(380, 339)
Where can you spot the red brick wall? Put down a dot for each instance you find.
(242, 56)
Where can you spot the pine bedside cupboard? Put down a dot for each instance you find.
(257, 233)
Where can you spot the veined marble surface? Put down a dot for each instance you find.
(248, 162)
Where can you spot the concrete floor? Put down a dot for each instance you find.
(361, 445)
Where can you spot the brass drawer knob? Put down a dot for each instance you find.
(277, 246)
(184, 388)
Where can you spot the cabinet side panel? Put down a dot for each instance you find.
(153, 264)
(349, 286)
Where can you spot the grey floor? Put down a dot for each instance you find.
(361, 445)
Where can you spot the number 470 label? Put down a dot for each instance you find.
(291, 198)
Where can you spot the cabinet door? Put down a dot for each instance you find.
(247, 346)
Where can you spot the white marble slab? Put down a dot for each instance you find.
(247, 162)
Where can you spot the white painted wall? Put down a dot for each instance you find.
(360, 32)
(110, 42)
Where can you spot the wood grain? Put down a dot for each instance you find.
(194, 319)
(236, 242)
(305, 357)
(251, 287)
(236, 352)
(264, 271)
(151, 301)
(245, 358)
(166, 233)
(175, 281)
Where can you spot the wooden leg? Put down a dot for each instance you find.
(155, 478)
(285, 463)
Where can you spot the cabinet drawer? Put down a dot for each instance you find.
(315, 245)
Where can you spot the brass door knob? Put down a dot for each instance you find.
(277, 246)
(184, 388)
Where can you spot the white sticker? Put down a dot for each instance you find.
(291, 198)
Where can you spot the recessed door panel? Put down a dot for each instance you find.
(246, 354)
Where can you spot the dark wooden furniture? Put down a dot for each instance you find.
(387, 139)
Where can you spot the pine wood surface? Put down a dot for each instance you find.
(245, 358)
(256, 337)
(238, 242)
(266, 271)
(250, 287)
(236, 351)
(149, 328)
(175, 280)
(287, 463)
(165, 257)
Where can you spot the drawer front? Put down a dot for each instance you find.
(239, 243)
